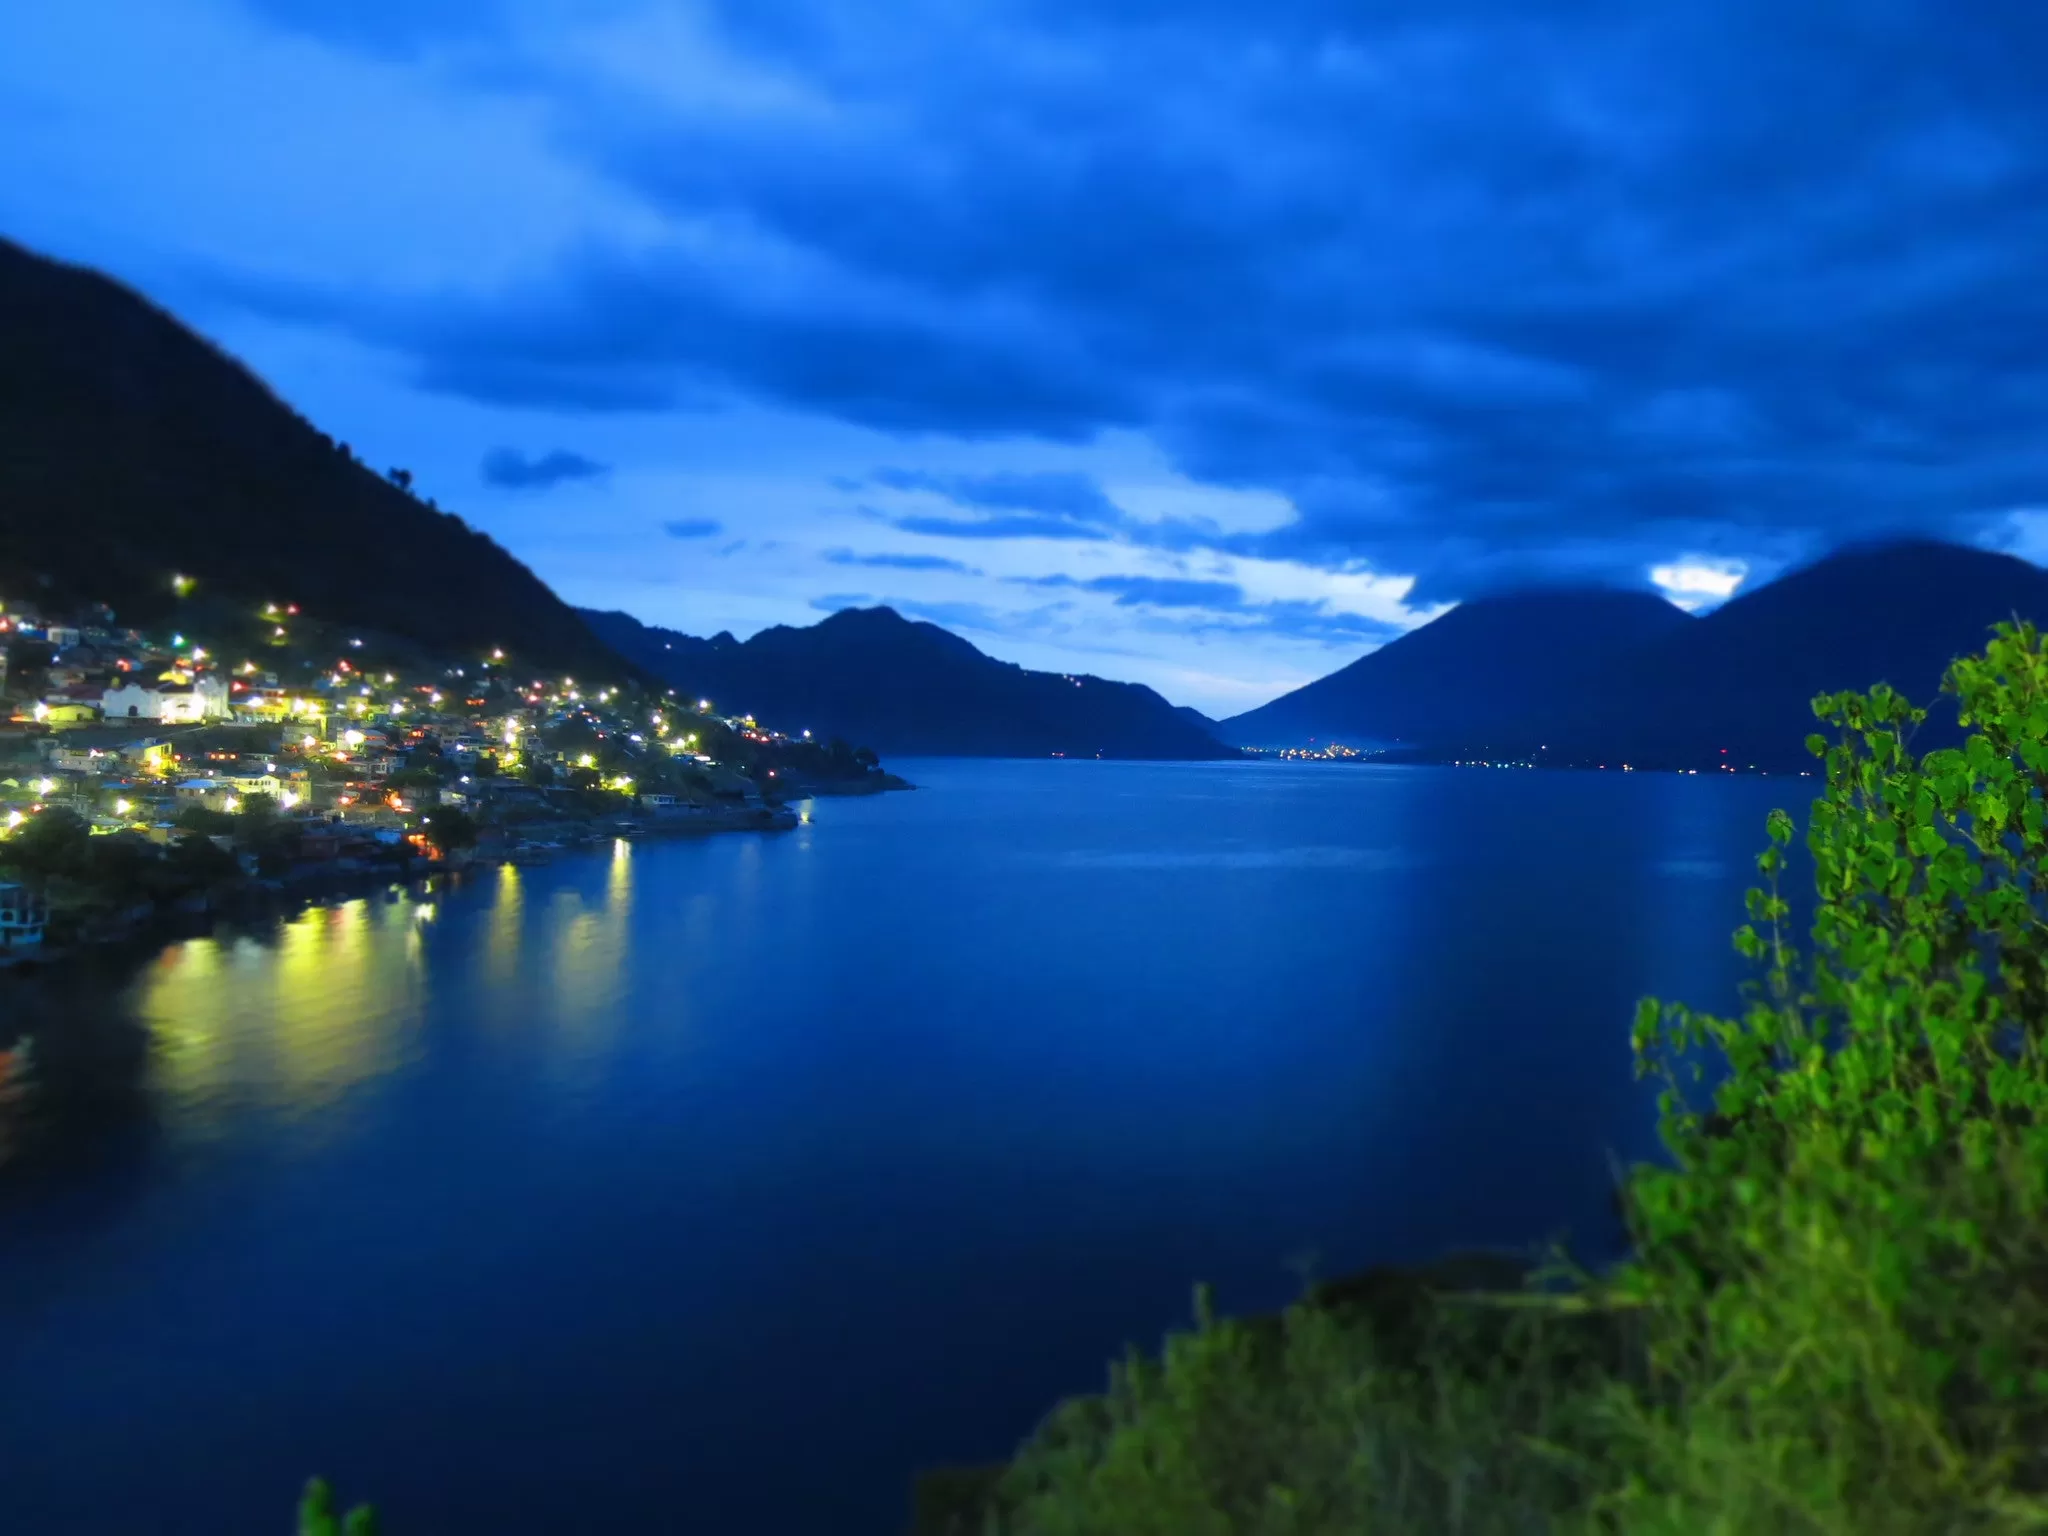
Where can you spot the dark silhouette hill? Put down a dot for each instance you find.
(910, 689)
(1607, 677)
(133, 450)
(1738, 685)
(1459, 679)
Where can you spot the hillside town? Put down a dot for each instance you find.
(143, 772)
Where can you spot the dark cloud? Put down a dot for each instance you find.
(693, 528)
(900, 562)
(509, 468)
(1482, 287)
(1200, 606)
(1150, 591)
(832, 602)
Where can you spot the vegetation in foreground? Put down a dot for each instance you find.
(1835, 1320)
(1836, 1316)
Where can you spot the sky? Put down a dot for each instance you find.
(1207, 344)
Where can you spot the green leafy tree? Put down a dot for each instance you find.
(317, 1515)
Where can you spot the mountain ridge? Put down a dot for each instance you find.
(1735, 685)
(911, 688)
(133, 449)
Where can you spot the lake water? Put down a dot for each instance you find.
(714, 1187)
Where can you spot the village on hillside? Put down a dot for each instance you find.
(143, 772)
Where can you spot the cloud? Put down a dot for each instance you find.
(509, 468)
(1018, 525)
(1210, 607)
(693, 528)
(1482, 289)
(900, 562)
(832, 602)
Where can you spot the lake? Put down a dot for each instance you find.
(716, 1186)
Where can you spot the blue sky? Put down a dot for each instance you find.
(1206, 343)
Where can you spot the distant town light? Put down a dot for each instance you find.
(233, 804)
(122, 807)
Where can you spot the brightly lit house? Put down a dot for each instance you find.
(205, 697)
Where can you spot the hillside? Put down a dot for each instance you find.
(1744, 677)
(1459, 678)
(911, 689)
(132, 450)
(1607, 677)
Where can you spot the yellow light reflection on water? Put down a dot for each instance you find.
(291, 1025)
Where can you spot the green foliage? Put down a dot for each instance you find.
(317, 1517)
(1835, 1317)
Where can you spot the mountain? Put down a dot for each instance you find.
(910, 689)
(1609, 677)
(133, 450)
(1457, 680)
(1740, 682)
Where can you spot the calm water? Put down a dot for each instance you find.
(713, 1187)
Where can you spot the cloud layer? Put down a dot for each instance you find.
(1483, 288)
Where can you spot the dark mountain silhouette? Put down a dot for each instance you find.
(906, 688)
(1606, 677)
(1458, 679)
(1738, 685)
(132, 450)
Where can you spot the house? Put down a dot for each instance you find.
(22, 919)
(60, 712)
(204, 698)
(660, 802)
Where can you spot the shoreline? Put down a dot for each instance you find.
(146, 927)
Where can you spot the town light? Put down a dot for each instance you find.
(308, 742)
(14, 819)
(352, 738)
(703, 706)
(44, 786)
(233, 804)
(181, 585)
(122, 807)
(289, 799)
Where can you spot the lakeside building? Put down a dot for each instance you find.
(23, 917)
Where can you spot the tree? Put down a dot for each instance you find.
(402, 478)
(50, 843)
(448, 828)
(206, 821)
(197, 860)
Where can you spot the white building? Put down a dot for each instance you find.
(204, 698)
